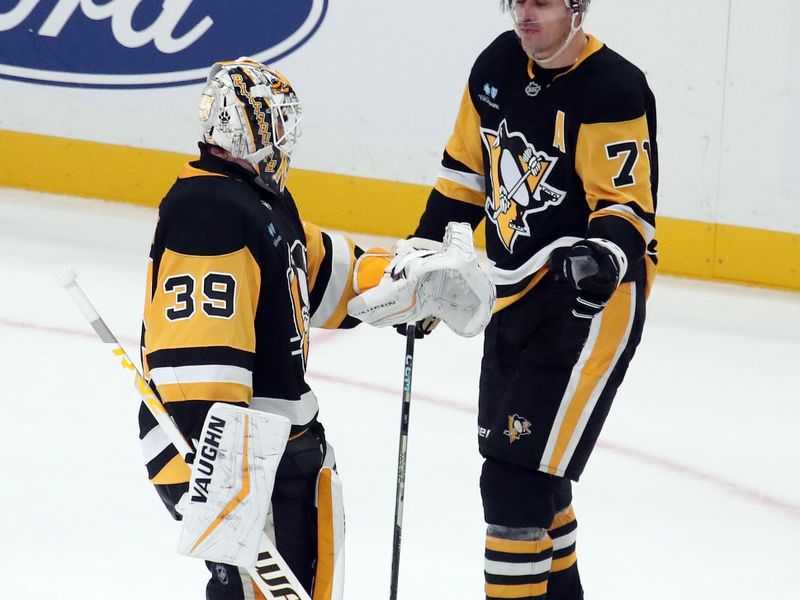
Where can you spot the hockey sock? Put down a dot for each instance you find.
(517, 562)
(565, 583)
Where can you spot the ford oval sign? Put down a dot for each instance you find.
(146, 43)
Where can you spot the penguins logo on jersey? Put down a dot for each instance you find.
(517, 427)
(519, 187)
(298, 288)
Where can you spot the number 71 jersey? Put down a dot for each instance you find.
(548, 157)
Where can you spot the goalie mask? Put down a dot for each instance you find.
(253, 112)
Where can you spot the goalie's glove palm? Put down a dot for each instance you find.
(593, 268)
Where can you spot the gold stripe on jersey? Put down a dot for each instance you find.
(506, 301)
(607, 338)
(212, 391)
(458, 191)
(175, 471)
(323, 580)
(315, 251)
(603, 155)
(199, 329)
(465, 142)
(189, 171)
(148, 300)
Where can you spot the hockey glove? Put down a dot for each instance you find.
(417, 284)
(593, 268)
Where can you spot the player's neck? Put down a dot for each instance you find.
(569, 56)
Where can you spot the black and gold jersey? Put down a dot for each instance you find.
(235, 282)
(548, 157)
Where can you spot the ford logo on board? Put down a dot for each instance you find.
(146, 43)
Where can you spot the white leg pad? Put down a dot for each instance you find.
(233, 476)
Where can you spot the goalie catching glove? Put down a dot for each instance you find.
(421, 283)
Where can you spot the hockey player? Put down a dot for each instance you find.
(555, 147)
(235, 282)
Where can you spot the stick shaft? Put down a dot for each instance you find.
(150, 400)
(271, 573)
(408, 370)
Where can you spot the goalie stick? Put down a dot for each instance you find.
(270, 573)
(408, 369)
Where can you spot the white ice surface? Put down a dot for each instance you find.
(693, 493)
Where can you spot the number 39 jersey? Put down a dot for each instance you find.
(548, 157)
(236, 280)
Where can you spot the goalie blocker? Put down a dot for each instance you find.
(419, 283)
(226, 510)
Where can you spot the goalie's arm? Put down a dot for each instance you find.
(338, 270)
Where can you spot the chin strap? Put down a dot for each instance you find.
(574, 28)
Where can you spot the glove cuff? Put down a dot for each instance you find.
(616, 252)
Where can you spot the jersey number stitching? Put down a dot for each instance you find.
(219, 295)
(630, 150)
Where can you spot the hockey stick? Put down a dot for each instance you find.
(401, 458)
(271, 573)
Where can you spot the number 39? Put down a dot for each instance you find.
(219, 296)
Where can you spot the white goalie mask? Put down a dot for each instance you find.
(253, 112)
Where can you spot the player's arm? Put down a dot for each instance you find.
(199, 335)
(338, 270)
(459, 193)
(616, 159)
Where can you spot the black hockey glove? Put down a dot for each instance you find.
(593, 268)
(424, 327)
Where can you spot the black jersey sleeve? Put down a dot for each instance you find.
(617, 160)
(338, 270)
(198, 342)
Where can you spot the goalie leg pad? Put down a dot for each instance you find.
(329, 579)
(233, 476)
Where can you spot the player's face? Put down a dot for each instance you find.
(542, 25)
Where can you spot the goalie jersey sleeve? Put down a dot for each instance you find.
(549, 157)
(235, 282)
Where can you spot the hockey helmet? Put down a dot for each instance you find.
(253, 112)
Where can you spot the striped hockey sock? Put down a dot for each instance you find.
(517, 562)
(564, 578)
